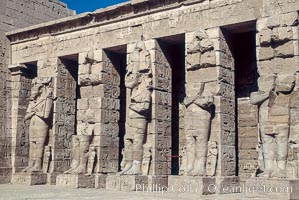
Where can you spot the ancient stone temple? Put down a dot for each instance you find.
(153, 92)
(18, 14)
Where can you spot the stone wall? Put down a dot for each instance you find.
(22, 13)
(17, 14)
(210, 71)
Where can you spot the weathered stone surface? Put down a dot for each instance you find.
(125, 97)
(272, 188)
(199, 185)
(126, 182)
(203, 185)
(29, 178)
(76, 180)
(100, 181)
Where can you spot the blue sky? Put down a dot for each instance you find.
(90, 5)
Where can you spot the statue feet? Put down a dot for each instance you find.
(69, 171)
(265, 174)
(79, 170)
(27, 169)
(189, 172)
(197, 173)
(135, 169)
(279, 174)
(36, 169)
(128, 166)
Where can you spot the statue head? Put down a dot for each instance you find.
(39, 86)
(212, 144)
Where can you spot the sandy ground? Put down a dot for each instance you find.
(21, 192)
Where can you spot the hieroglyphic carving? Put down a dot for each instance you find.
(22, 139)
(64, 116)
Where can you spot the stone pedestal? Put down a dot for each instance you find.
(34, 178)
(51, 178)
(126, 182)
(100, 181)
(5, 175)
(76, 180)
(156, 183)
(271, 188)
(202, 185)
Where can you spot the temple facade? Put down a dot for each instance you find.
(157, 93)
(16, 14)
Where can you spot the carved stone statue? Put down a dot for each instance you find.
(38, 113)
(146, 161)
(126, 162)
(183, 160)
(212, 158)
(91, 159)
(47, 159)
(274, 124)
(80, 150)
(197, 123)
(139, 81)
(75, 154)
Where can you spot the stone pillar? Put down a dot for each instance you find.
(95, 148)
(106, 105)
(209, 117)
(277, 57)
(210, 68)
(278, 61)
(223, 124)
(20, 91)
(160, 126)
(5, 118)
(158, 135)
(63, 114)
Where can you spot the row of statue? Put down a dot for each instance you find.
(199, 155)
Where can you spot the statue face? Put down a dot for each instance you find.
(76, 142)
(131, 79)
(36, 90)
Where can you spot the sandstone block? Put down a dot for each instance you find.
(265, 36)
(29, 178)
(126, 182)
(76, 180)
(265, 53)
(285, 50)
(100, 181)
(272, 188)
